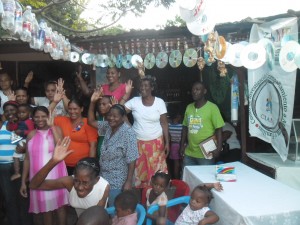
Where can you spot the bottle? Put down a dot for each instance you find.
(41, 35)
(27, 20)
(8, 20)
(34, 33)
(1, 9)
(18, 19)
(48, 40)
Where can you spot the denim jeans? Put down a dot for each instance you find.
(16, 206)
(191, 161)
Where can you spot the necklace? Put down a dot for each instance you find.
(78, 126)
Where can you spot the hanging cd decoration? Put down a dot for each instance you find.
(87, 58)
(119, 61)
(112, 60)
(127, 61)
(74, 57)
(270, 51)
(149, 61)
(97, 60)
(191, 10)
(297, 58)
(253, 56)
(190, 57)
(175, 58)
(234, 54)
(104, 60)
(161, 60)
(287, 54)
(135, 59)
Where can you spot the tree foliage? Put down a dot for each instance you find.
(65, 15)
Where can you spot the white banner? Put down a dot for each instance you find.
(271, 89)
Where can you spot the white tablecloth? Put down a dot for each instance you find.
(287, 172)
(253, 199)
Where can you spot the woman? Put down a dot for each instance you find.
(86, 187)
(151, 128)
(16, 207)
(83, 137)
(114, 87)
(119, 149)
(40, 146)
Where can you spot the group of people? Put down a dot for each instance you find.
(83, 162)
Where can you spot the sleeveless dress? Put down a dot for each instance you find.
(40, 149)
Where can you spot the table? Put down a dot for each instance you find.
(287, 172)
(254, 198)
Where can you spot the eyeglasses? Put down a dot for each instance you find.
(86, 163)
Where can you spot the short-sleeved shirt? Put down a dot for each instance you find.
(201, 123)
(161, 200)
(146, 118)
(80, 139)
(117, 151)
(175, 132)
(130, 219)
(190, 217)
(59, 108)
(118, 93)
(7, 149)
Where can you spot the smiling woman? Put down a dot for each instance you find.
(83, 137)
(86, 187)
(119, 149)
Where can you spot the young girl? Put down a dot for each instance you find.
(197, 211)
(156, 195)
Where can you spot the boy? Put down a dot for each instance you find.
(125, 204)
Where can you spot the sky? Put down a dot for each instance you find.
(224, 11)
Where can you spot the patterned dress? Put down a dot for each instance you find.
(40, 150)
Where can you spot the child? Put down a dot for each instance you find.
(175, 129)
(125, 204)
(156, 195)
(25, 125)
(197, 211)
(95, 215)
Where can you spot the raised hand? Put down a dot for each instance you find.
(11, 95)
(78, 74)
(60, 85)
(96, 95)
(50, 119)
(61, 149)
(128, 87)
(59, 94)
(113, 100)
(29, 77)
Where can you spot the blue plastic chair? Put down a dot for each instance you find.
(172, 202)
(139, 209)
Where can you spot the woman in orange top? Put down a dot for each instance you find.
(83, 137)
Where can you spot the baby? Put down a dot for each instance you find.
(197, 211)
(25, 125)
(125, 204)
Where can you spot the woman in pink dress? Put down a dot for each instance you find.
(40, 147)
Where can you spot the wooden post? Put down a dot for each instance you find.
(241, 73)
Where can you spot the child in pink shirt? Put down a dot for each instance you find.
(125, 204)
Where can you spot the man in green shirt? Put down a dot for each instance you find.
(202, 120)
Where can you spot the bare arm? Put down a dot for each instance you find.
(91, 113)
(218, 134)
(183, 140)
(165, 128)
(210, 217)
(103, 200)
(28, 79)
(128, 90)
(128, 183)
(83, 86)
(93, 149)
